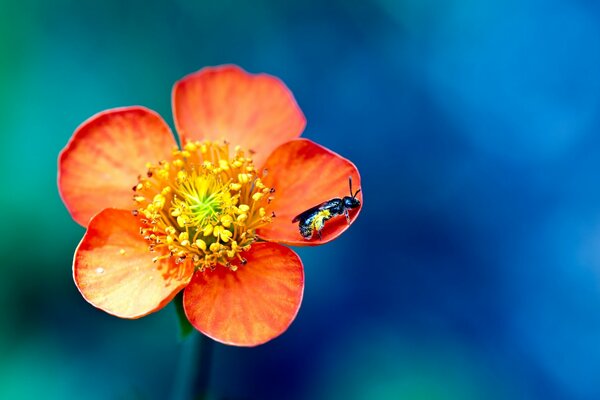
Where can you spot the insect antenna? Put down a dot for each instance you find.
(350, 184)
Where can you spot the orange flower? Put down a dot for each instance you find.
(207, 216)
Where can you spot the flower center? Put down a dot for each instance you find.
(202, 205)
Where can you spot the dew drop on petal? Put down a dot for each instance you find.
(99, 270)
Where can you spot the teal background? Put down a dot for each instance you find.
(473, 271)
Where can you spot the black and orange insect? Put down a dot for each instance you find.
(314, 218)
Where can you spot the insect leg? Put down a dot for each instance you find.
(347, 214)
(305, 231)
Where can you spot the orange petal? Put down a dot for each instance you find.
(257, 112)
(113, 268)
(252, 305)
(101, 162)
(304, 175)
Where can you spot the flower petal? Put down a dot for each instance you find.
(257, 112)
(101, 162)
(252, 305)
(305, 175)
(113, 268)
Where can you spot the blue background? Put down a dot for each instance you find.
(473, 271)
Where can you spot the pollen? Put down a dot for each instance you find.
(203, 205)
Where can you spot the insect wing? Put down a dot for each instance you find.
(307, 213)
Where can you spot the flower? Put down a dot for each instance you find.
(209, 217)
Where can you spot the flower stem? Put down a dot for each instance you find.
(204, 363)
(193, 372)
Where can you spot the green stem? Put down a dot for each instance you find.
(192, 378)
(204, 362)
(193, 371)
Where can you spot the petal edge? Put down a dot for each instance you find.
(252, 305)
(305, 174)
(104, 156)
(255, 111)
(113, 269)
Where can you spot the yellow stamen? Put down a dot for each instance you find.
(203, 205)
(257, 196)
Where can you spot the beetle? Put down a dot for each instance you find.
(314, 218)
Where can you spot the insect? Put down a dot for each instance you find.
(314, 218)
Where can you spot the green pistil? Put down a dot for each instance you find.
(205, 209)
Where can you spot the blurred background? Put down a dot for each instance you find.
(473, 271)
